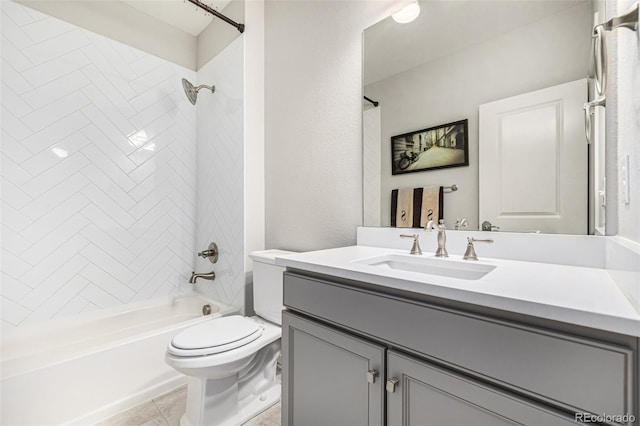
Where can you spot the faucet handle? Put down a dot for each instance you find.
(211, 253)
(470, 253)
(415, 248)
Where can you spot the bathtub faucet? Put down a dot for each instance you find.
(207, 276)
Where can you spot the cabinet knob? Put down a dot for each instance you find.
(392, 384)
(371, 376)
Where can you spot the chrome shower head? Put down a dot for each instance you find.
(192, 92)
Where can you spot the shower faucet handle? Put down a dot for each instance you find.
(211, 253)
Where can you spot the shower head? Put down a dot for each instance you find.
(192, 92)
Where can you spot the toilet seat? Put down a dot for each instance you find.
(215, 336)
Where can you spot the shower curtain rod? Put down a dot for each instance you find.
(214, 12)
(375, 104)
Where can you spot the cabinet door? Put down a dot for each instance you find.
(428, 395)
(328, 376)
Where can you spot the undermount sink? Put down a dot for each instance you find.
(430, 265)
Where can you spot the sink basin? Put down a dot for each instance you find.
(465, 270)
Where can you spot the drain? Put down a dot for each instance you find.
(206, 310)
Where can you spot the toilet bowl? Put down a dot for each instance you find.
(231, 361)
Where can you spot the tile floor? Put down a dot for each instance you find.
(167, 409)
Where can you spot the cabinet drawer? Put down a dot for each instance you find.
(577, 374)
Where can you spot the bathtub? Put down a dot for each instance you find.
(83, 369)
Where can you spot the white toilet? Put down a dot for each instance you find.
(231, 361)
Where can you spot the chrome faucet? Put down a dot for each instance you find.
(442, 237)
(205, 276)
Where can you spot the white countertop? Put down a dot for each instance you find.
(571, 294)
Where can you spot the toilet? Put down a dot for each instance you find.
(231, 361)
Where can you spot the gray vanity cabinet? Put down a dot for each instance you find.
(333, 378)
(359, 354)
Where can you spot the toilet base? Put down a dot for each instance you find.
(248, 409)
(234, 399)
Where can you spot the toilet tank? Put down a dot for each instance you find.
(267, 284)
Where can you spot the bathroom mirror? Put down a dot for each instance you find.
(458, 57)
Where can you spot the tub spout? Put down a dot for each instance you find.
(207, 276)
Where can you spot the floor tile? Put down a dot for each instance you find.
(172, 405)
(142, 414)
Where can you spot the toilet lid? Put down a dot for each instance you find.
(215, 336)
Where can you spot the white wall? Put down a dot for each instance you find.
(623, 97)
(220, 181)
(623, 129)
(254, 184)
(98, 187)
(313, 134)
(219, 34)
(453, 87)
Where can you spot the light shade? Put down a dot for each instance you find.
(407, 13)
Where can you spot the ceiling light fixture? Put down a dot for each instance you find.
(407, 13)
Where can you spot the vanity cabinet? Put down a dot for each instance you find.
(440, 365)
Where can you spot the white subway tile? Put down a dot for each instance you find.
(52, 281)
(109, 187)
(109, 132)
(73, 307)
(109, 110)
(102, 259)
(107, 224)
(108, 283)
(56, 239)
(107, 90)
(109, 207)
(13, 242)
(56, 68)
(14, 56)
(146, 273)
(12, 312)
(115, 168)
(13, 126)
(151, 182)
(56, 132)
(55, 154)
(99, 297)
(55, 197)
(55, 217)
(53, 176)
(55, 89)
(14, 173)
(12, 288)
(13, 218)
(14, 103)
(10, 22)
(13, 149)
(55, 111)
(152, 112)
(13, 265)
(57, 300)
(55, 47)
(108, 243)
(13, 195)
(47, 29)
(109, 150)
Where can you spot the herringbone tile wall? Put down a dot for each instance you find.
(220, 142)
(98, 171)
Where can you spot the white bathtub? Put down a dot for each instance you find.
(85, 368)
